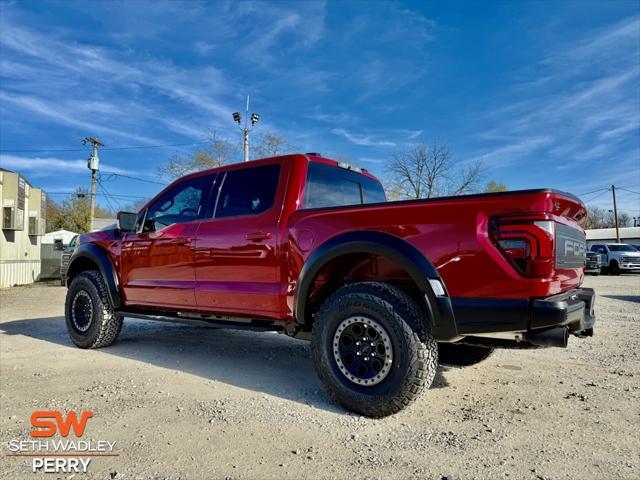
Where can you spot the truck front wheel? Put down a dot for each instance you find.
(372, 349)
(462, 355)
(614, 268)
(90, 318)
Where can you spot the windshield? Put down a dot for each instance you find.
(621, 248)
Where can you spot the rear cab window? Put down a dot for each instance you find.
(329, 186)
(248, 191)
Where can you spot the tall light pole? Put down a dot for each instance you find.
(93, 164)
(246, 129)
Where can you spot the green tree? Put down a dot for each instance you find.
(74, 213)
(493, 186)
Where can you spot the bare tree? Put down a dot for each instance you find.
(271, 144)
(220, 151)
(429, 171)
(600, 218)
(217, 153)
(136, 205)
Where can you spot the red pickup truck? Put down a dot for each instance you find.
(310, 247)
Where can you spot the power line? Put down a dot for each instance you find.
(106, 196)
(596, 196)
(627, 190)
(111, 175)
(593, 191)
(117, 195)
(136, 147)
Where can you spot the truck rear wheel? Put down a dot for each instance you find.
(462, 355)
(90, 318)
(372, 349)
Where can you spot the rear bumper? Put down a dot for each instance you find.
(573, 309)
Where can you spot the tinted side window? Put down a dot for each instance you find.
(185, 202)
(329, 186)
(373, 192)
(248, 191)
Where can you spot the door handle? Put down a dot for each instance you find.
(258, 236)
(181, 241)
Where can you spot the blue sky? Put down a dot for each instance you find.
(547, 94)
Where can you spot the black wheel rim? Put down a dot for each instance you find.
(362, 350)
(82, 311)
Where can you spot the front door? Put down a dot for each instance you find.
(237, 264)
(157, 262)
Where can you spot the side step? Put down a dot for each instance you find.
(216, 321)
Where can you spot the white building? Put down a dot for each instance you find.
(608, 235)
(23, 223)
(64, 236)
(103, 223)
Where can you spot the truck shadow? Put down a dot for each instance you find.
(626, 298)
(263, 362)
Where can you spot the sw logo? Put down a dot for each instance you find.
(45, 427)
(62, 455)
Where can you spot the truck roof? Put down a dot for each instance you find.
(296, 157)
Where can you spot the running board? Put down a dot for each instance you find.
(217, 321)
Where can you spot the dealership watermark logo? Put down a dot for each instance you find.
(56, 444)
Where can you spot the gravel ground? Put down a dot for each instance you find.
(185, 402)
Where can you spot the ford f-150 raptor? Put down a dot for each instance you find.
(310, 247)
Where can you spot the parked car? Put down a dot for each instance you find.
(618, 257)
(65, 258)
(309, 247)
(594, 263)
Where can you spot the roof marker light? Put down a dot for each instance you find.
(348, 166)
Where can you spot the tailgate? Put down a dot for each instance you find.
(571, 241)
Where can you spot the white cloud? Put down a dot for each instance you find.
(585, 110)
(26, 164)
(363, 140)
(68, 116)
(99, 83)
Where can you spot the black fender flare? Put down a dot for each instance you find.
(101, 258)
(419, 268)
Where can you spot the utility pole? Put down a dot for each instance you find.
(615, 213)
(93, 164)
(246, 129)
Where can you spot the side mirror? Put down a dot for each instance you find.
(127, 221)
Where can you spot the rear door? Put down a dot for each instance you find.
(158, 261)
(237, 264)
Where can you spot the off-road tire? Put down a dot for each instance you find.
(462, 355)
(105, 324)
(614, 268)
(415, 352)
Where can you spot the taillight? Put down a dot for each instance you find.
(527, 243)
